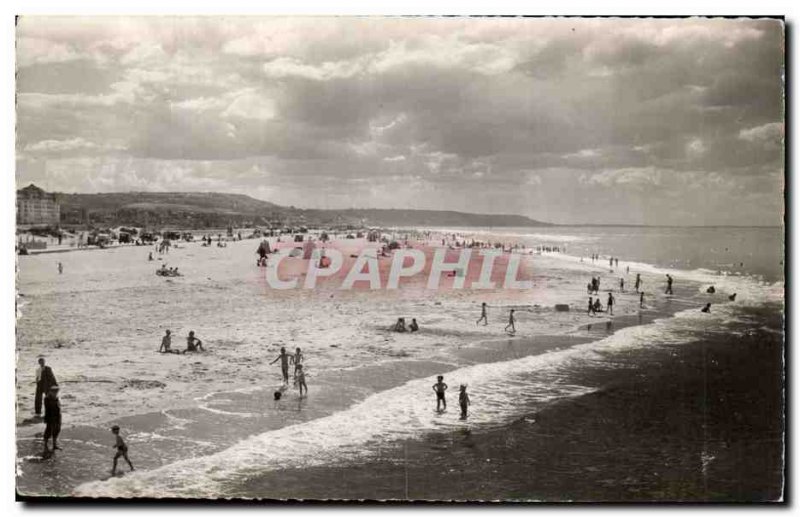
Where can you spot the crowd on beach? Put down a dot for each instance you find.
(47, 388)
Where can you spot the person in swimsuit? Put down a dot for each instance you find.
(301, 380)
(707, 308)
(122, 450)
(413, 326)
(610, 303)
(52, 418)
(297, 360)
(483, 317)
(400, 326)
(193, 344)
(511, 321)
(440, 387)
(166, 343)
(641, 299)
(284, 359)
(669, 285)
(463, 401)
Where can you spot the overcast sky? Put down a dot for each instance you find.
(571, 120)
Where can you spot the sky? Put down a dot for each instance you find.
(571, 120)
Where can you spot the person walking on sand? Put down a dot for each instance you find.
(463, 401)
(440, 387)
(301, 380)
(610, 303)
(284, 359)
(193, 344)
(669, 284)
(52, 418)
(511, 321)
(641, 300)
(483, 317)
(122, 450)
(45, 379)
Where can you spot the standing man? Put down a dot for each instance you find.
(669, 284)
(638, 282)
(45, 379)
(610, 303)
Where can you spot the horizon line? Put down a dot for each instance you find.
(547, 223)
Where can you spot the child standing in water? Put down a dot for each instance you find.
(297, 359)
(301, 379)
(440, 387)
(122, 450)
(463, 401)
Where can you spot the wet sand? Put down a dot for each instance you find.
(175, 408)
(699, 422)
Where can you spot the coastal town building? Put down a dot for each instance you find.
(35, 206)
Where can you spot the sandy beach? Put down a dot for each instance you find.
(100, 322)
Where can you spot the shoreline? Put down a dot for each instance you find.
(448, 342)
(646, 437)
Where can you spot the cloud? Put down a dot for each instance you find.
(74, 144)
(769, 135)
(481, 114)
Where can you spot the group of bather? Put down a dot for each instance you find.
(400, 326)
(167, 271)
(192, 344)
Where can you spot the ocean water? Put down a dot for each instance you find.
(747, 261)
(751, 251)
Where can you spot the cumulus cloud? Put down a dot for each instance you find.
(540, 116)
